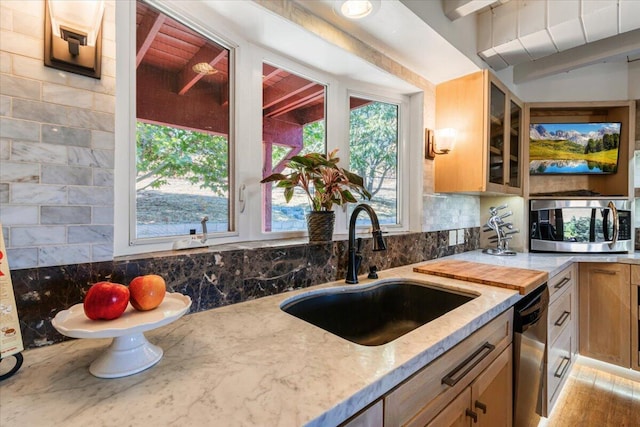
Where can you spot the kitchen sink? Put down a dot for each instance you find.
(374, 314)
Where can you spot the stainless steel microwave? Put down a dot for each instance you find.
(592, 226)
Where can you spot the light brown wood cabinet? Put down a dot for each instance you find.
(472, 381)
(488, 120)
(561, 333)
(635, 317)
(605, 312)
(483, 403)
(454, 388)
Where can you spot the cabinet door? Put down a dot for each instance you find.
(635, 317)
(487, 402)
(491, 393)
(497, 126)
(515, 137)
(461, 104)
(505, 119)
(455, 414)
(605, 313)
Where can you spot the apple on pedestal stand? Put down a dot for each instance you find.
(130, 352)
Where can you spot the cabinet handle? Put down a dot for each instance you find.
(481, 406)
(609, 272)
(449, 378)
(566, 361)
(561, 283)
(469, 413)
(616, 224)
(563, 318)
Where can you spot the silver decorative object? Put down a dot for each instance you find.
(496, 224)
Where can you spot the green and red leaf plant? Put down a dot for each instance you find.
(323, 181)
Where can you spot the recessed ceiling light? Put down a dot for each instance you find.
(357, 9)
(204, 68)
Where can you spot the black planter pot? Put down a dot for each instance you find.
(320, 225)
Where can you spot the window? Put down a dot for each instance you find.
(293, 122)
(373, 148)
(196, 137)
(182, 130)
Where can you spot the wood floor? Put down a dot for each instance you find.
(593, 397)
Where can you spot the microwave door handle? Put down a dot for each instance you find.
(616, 224)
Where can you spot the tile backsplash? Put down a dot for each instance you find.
(441, 211)
(217, 278)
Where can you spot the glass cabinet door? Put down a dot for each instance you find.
(496, 135)
(514, 145)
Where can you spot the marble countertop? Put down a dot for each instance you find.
(252, 364)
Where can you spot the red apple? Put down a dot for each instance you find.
(106, 300)
(147, 292)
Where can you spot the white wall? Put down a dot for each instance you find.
(461, 33)
(599, 82)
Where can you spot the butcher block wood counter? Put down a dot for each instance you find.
(519, 279)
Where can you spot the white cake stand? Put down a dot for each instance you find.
(130, 352)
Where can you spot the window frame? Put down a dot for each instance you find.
(403, 172)
(245, 79)
(292, 67)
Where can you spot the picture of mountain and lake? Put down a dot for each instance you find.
(573, 148)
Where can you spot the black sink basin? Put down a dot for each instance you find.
(374, 314)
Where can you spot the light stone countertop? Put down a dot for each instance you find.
(251, 364)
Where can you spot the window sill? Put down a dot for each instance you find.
(250, 245)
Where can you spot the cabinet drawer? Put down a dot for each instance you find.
(421, 397)
(560, 359)
(561, 314)
(561, 281)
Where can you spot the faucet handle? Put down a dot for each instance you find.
(373, 272)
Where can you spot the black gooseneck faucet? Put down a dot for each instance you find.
(355, 258)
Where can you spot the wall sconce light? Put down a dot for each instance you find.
(73, 36)
(355, 9)
(445, 139)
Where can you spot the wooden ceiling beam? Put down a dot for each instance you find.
(187, 77)
(269, 72)
(286, 88)
(146, 33)
(310, 96)
(283, 133)
(158, 103)
(358, 102)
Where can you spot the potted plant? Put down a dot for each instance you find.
(325, 184)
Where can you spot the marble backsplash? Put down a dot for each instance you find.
(217, 278)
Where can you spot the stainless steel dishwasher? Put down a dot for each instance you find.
(529, 349)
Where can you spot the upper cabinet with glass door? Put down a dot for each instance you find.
(487, 153)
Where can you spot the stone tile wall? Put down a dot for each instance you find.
(440, 211)
(217, 278)
(56, 147)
